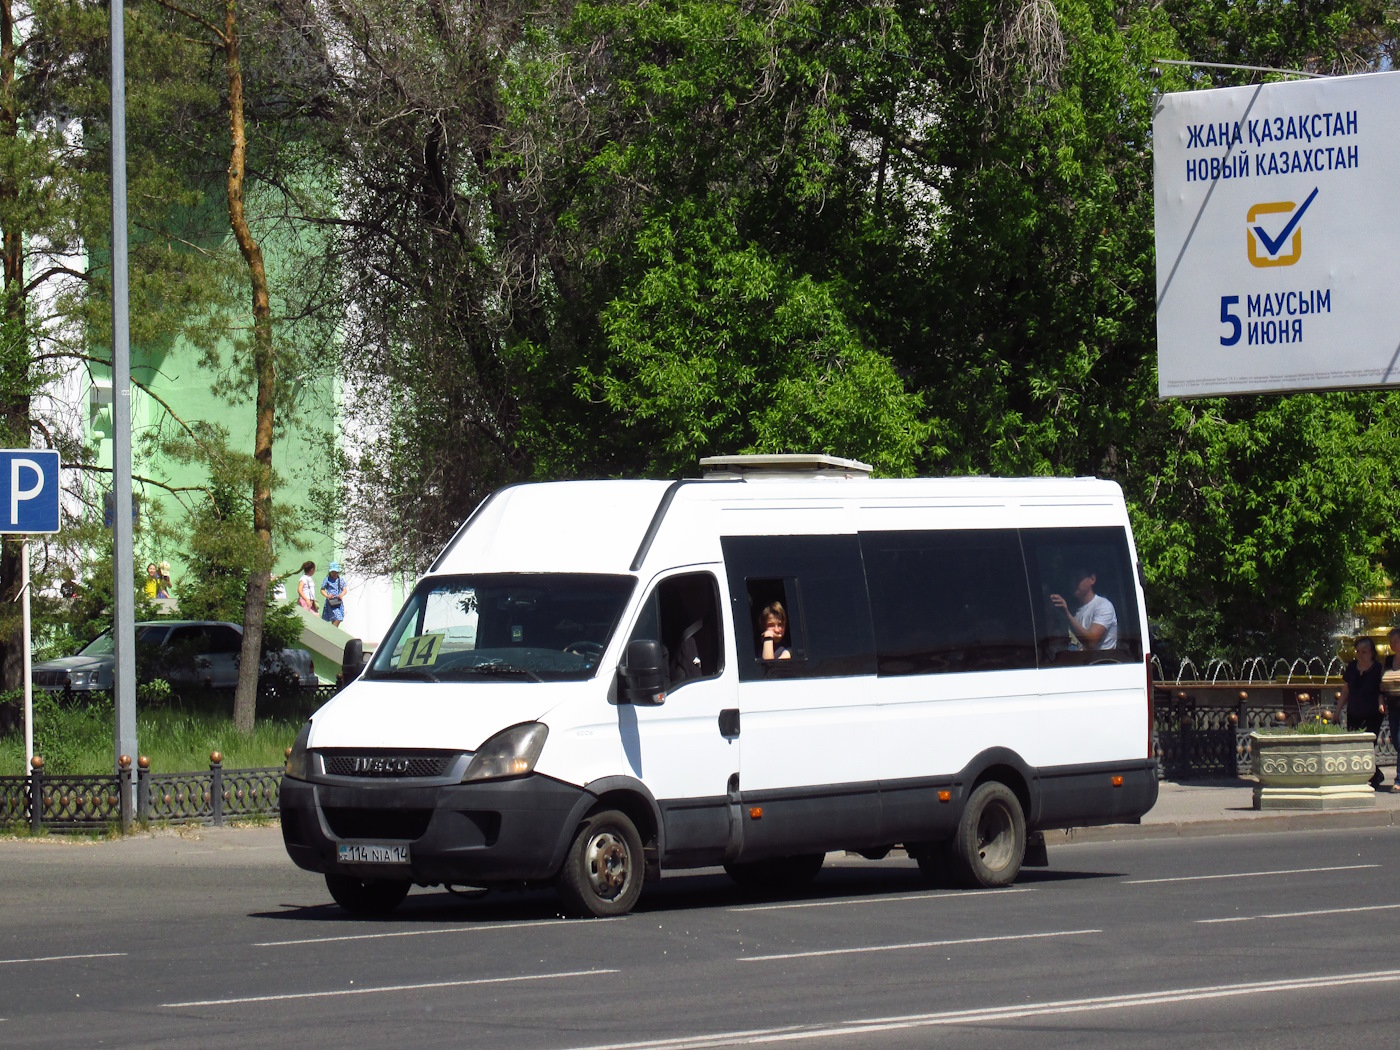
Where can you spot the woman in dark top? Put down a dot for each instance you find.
(1361, 695)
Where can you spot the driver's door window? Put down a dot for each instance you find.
(683, 613)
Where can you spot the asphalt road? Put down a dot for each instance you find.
(1262, 940)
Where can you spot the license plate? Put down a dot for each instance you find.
(369, 853)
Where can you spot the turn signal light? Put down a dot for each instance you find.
(755, 812)
(1117, 782)
(945, 796)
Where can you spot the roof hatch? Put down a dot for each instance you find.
(783, 465)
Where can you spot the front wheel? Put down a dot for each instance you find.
(367, 897)
(991, 838)
(604, 868)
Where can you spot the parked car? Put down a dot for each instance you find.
(200, 654)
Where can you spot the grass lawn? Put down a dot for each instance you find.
(79, 741)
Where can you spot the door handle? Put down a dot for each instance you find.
(729, 722)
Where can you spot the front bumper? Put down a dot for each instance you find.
(476, 834)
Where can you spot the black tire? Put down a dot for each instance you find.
(991, 839)
(777, 874)
(604, 868)
(367, 897)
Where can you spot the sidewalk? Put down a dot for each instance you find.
(1226, 807)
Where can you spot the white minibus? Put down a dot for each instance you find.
(598, 681)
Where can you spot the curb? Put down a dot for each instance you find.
(1296, 821)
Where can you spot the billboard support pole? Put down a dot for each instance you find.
(1232, 65)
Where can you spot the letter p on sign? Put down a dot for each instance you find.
(28, 491)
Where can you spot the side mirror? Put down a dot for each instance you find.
(353, 662)
(642, 678)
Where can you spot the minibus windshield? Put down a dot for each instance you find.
(527, 627)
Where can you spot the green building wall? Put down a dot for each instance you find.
(174, 371)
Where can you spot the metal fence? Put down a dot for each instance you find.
(84, 803)
(1201, 730)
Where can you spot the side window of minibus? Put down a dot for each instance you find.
(683, 613)
(776, 600)
(821, 583)
(1059, 561)
(949, 601)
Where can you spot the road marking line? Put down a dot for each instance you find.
(918, 944)
(1303, 914)
(63, 958)
(1249, 874)
(986, 1015)
(425, 933)
(386, 988)
(959, 894)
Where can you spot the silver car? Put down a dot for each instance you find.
(191, 653)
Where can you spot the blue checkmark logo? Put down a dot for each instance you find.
(1273, 245)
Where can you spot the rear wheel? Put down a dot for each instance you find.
(604, 868)
(991, 838)
(367, 896)
(779, 873)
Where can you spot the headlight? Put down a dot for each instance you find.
(299, 762)
(77, 679)
(512, 752)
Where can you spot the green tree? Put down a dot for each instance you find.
(54, 228)
(720, 347)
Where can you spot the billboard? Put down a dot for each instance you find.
(1278, 237)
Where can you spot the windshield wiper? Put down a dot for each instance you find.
(501, 668)
(409, 672)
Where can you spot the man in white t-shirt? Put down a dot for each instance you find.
(1094, 622)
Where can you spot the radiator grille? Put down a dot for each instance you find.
(370, 765)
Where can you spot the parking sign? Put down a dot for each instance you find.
(28, 491)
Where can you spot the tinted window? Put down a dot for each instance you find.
(1057, 561)
(822, 585)
(192, 638)
(948, 601)
(223, 639)
(104, 644)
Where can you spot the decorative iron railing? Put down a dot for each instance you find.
(80, 803)
(1201, 728)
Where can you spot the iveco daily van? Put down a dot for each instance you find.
(576, 693)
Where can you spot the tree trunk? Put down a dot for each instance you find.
(255, 602)
(14, 415)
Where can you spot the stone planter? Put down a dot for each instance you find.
(1313, 770)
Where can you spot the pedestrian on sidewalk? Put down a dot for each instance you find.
(1361, 696)
(306, 587)
(333, 590)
